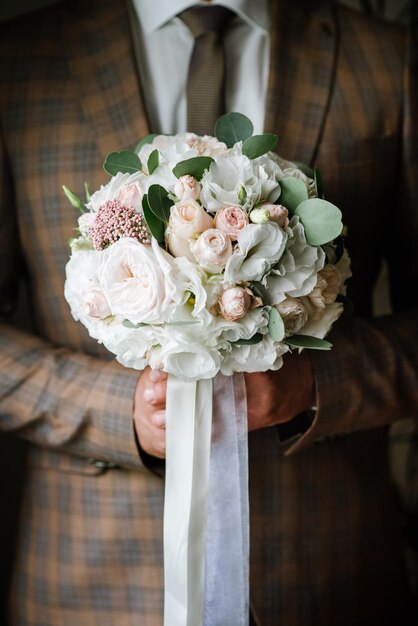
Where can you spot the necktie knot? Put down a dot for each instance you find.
(202, 20)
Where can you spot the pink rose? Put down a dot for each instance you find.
(278, 214)
(187, 187)
(130, 196)
(96, 304)
(231, 220)
(212, 250)
(187, 219)
(234, 303)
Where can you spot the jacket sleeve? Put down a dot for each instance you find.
(50, 395)
(370, 377)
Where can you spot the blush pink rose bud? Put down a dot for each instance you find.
(231, 220)
(278, 214)
(212, 250)
(131, 196)
(234, 303)
(187, 219)
(187, 187)
(96, 304)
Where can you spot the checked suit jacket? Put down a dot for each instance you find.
(326, 545)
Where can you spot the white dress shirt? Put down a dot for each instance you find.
(167, 45)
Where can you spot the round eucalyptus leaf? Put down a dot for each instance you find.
(321, 220)
(256, 146)
(293, 193)
(154, 224)
(148, 139)
(196, 166)
(275, 325)
(249, 342)
(233, 127)
(159, 202)
(125, 161)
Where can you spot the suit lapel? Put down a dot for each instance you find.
(101, 61)
(302, 67)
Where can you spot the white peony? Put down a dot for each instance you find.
(295, 274)
(186, 359)
(260, 357)
(260, 246)
(138, 281)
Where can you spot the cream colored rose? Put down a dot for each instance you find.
(327, 287)
(294, 315)
(231, 220)
(187, 219)
(234, 303)
(187, 187)
(212, 250)
(131, 196)
(96, 303)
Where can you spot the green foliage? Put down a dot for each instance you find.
(159, 202)
(125, 161)
(276, 325)
(74, 199)
(306, 341)
(293, 192)
(233, 127)
(155, 225)
(148, 139)
(321, 220)
(196, 166)
(256, 146)
(249, 342)
(153, 161)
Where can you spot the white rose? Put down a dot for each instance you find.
(96, 303)
(295, 274)
(187, 219)
(206, 145)
(212, 250)
(137, 280)
(188, 360)
(259, 247)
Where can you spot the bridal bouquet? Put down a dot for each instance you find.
(205, 255)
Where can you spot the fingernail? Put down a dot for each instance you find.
(149, 395)
(155, 375)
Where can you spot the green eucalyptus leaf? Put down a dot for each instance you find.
(233, 127)
(74, 199)
(318, 183)
(159, 202)
(249, 342)
(155, 225)
(125, 161)
(196, 166)
(256, 146)
(294, 191)
(153, 161)
(321, 220)
(306, 341)
(129, 324)
(259, 290)
(148, 139)
(276, 325)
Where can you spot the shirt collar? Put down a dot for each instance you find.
(154, 14)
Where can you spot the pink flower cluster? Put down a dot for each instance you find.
(113, 221)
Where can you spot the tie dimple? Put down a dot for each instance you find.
(206, 78)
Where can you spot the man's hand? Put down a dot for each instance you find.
(149, 411)
(277, 397)
(272, 398)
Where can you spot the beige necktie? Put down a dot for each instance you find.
(206, 79)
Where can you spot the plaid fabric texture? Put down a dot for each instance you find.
(325, 537)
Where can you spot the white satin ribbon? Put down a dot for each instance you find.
(206, 520)
(188, 431)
